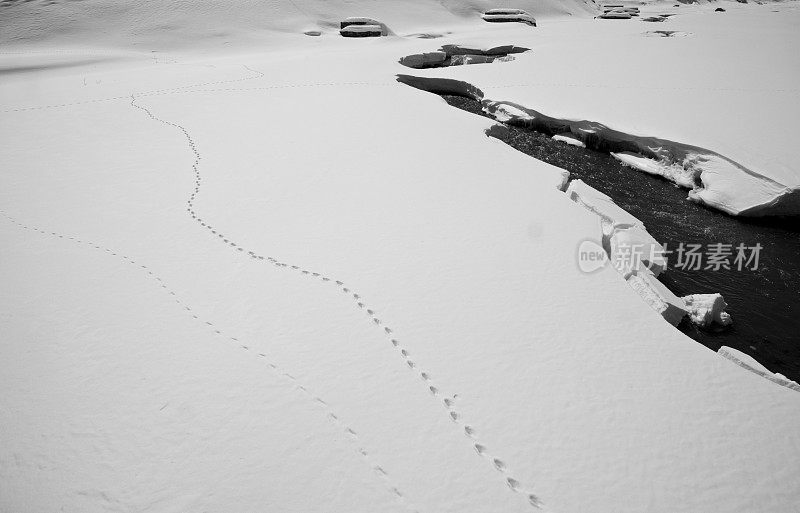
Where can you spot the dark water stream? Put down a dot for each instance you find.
(764, 303)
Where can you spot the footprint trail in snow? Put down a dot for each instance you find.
(449, 405)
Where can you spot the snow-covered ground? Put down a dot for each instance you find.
(266, 276)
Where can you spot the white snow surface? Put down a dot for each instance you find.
(417, 336)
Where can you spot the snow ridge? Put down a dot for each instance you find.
(447, 402)
(330, 414)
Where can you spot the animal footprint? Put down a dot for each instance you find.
(534, 500)
(480, 449)
(512, 483)
(433, 390)
(469, 431)
(454, 416)
(499, 465)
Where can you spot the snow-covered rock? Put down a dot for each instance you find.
(707, 309)
(508, 15)
(746, 361)
(354, 30)
(454, 49)
(458, 60)
(615, 16)
(424, 60)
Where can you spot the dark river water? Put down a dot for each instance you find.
(764, 303)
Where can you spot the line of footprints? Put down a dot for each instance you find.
(330, 414)
(447, 402)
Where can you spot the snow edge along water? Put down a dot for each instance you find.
(616, 224)
(713, 179)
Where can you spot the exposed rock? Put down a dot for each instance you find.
(615, 16)
(457, 55)
(424, 60)
(508, 16)
(362, 27)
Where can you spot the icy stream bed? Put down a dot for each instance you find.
(764, 303)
